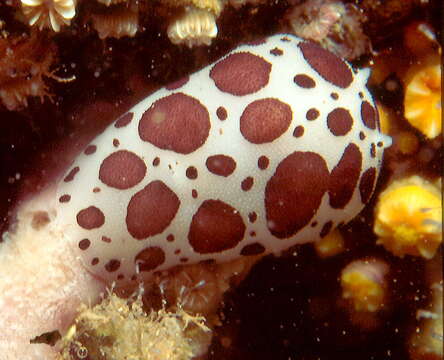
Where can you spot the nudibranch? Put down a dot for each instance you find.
(273, 145)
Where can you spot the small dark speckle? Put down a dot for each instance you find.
(276, 52)
(39, 220)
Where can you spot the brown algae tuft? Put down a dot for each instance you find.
(120, 329)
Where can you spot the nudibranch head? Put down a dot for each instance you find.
(274, 145)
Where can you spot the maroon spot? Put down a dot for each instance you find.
(170, 237)
(177, 251)
(65, 198)
(94, 261)
(122, 169)
(326, 64)
(106, 239)
(253, 233)
(84, 244)
(252, 217)
(112, 265)
(90, 149)
(326, 229)
(373, 150)
(252, 249)
(156, 161)
(314, 223)
(183, 259)
(90, 218)
(304, 81)
(339, 121)
(134, 278)
(191, 173)
(177, 122)
(221, 113)
(221, 165)
(177, 84)
(294, 192)
(116, 143)
(71, 174)
(247, 183)
(312, 114)
(361, 135)
(124, 120)
(215, 227)
(344, 177)
(366, 184)
(96, 190)
(194, 193)
(276, 52)
(369, 115)
(241, 73)
(265, 120)
(151, 210)
(334, 96)
(263, 162)
(150, 258)
(120, 277)
(298, 131)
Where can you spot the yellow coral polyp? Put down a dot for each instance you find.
(385, 118)
(422, 101)
(364, 293)
(408, 218)
(330, 245)
(407, 142)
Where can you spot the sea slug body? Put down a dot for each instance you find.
(274, 145)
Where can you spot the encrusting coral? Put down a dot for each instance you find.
(408, 218)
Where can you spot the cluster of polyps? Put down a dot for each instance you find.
(275, 144)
